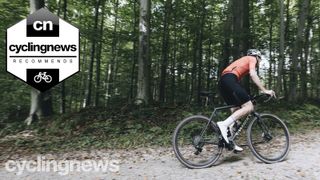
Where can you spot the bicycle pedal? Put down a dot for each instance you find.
(236, 152)
(221, 144)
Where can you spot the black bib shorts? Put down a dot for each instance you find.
(231, 90)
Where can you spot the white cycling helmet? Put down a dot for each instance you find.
(254, 52)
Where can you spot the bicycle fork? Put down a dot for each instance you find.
(266, 132)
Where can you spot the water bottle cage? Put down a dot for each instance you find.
(229, 133)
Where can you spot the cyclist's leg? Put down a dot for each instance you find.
(231, 128)
(234, 109)
(225, 85)
(245, 109)
(240, 97)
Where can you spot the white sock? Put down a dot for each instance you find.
(228, 121)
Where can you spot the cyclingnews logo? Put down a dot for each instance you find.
(62, 167)
(42, 50)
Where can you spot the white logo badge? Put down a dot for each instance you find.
(42, 50)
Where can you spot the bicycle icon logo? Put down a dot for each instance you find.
(42, 76)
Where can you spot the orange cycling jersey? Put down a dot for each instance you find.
(241, 67)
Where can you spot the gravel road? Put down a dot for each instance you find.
(303, 162)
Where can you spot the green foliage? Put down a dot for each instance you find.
(306, 113)
(183, 28)
(297, 117)
(117, 124)
(98, 128)
(14, 94)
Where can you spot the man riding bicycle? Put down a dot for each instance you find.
(234, 94)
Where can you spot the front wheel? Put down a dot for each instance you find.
(196, 142)
(48, 79)
(268, 138)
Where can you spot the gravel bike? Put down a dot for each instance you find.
(42, 76)
(198, 143)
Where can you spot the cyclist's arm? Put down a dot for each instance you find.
(255, 78)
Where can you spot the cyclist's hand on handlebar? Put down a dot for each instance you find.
(270, 92)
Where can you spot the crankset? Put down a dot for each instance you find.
(230, 146)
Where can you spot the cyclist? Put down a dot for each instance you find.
(234, 94)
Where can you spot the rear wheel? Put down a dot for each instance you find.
(268, 138)
(37, 78)
(196, 143)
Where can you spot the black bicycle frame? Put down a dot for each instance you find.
(214, 113)
(248, 118)
(238, 131)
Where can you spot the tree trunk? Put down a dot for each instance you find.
(143, 84)
(113, 60)
(88, 91)
(241, 33)
(304, 62)
(246, 39)
(196, 74)
(165, 50)
(35, 5)
(194, 69)
(200, 49)
(237, 9)
(41, 103)
(209, 63)
(134, 52)
(318, 71)
(185, 71)
(281, 51)
(174, 58)
(288, 41)
(226, 51)
(97, 95)
(62, 87)
(288, 19)
(83, 82)
(303, 13)
(72, 95)
(189, 79)
(271, 63)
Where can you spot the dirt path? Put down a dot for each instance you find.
(159, 163)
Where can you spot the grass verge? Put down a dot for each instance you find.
(126, 128)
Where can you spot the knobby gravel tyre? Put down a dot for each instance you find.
(213, 150)
(254, 131)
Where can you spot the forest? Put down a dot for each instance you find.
(145, 65)
(153, 60)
